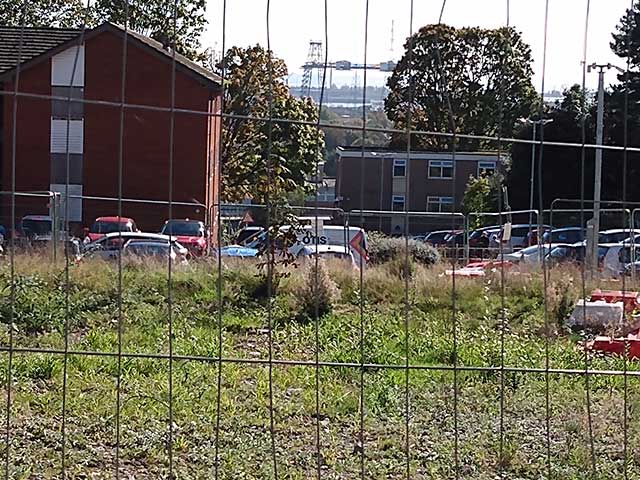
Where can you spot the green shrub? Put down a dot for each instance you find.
(383, 249)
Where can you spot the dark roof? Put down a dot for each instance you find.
(180, 59)
(44, 42)
(35, 42)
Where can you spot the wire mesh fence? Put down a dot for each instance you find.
(279, 341)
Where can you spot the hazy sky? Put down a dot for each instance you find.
(295, 22)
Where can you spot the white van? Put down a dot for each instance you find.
(353, 237)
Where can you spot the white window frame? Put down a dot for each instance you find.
(60, 130)
(486, 165)
(400, 163)
(65, 63)
(440, 201)
(442, 164)
(396, 199)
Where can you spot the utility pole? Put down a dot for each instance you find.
(532, 176)
(597, 182)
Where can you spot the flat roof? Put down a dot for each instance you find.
(380, 152)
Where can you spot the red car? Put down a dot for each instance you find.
(104, 225)
(192, 234)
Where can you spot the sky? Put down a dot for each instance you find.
(293, 23)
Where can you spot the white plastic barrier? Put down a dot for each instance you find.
(599, 314)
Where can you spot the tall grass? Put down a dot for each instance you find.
(491, 331)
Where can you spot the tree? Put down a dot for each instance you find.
(482, 194)
(335, 137)
(153, 18)
(42, 13)
(486, 75)
(476, 195)
(289, 152)
(562, 167)
(622, 111)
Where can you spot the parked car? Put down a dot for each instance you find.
(564, 235)
(531, 255)
(355, 238)
(612, 257)
(437, 238)
(532, 236)
(520, 238)
(566, 253)
(151, 250)
(111, 244)
(248, 234)
(238, 251)
(36, 228)
(617, 235)
(339, 252)
(455, 239)
(191, 233)
(103, 225)
(480, 237)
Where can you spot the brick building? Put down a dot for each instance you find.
(431, 184)
(49, 132)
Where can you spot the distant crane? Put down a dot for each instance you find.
(315, 57)
(315, 61)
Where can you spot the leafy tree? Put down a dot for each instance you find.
(561, 166)
(294, 148)
(485, 73)
(622, 109)
(153, 18)
(482, 194)
(42, 13)
(334, 137)
(476, 195)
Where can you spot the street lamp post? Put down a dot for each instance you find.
(534, 123)
(597, 182)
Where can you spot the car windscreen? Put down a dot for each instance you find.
(559, 253)
(567, 236)
(144, 249)
(247, 236)
(616, 237)
(109, 227)
(37, 227)
(437, 236)
(185, 228)
(338, 255)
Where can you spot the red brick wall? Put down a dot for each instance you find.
(146, 156)
(32, 142)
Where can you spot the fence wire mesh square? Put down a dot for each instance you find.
(209, 370)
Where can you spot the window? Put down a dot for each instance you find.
(486, 168)
(67, 134)
(397, 203)
(440, 169)
(439, 204)
(399, 167)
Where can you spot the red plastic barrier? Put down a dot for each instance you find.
(630, 299)
(616, 345)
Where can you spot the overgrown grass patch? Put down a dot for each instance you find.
(498, 416)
